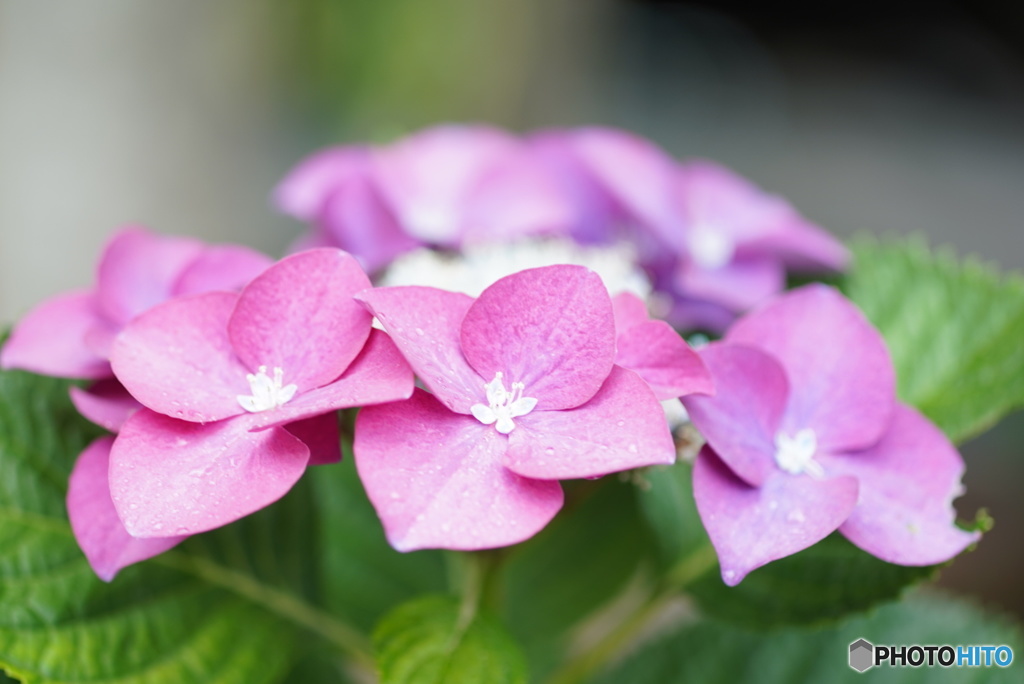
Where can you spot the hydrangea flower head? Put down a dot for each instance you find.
(524, 391)
(70, 335)
(221, 375)
(804, 437)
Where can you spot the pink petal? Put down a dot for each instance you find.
(378, 375)
(428, 178)
(50, 339)
(622, 427)
(99, 532)
(656, 352)
(593, 219)
(138, 269)
(307, 187)
(551, 328)
(751, 526)
(299, 316)
(738, 285)
(223, 267)
(740, 422)
(718, 199)
(170, 477)
(322, 435)
(908, 481)
(517, 196)
(425, 322)
(803, 246)
(840, 374)
(106, 403)
(436, 479)
(638, 174)
(358, 221)
(629, 310)
(176, 359)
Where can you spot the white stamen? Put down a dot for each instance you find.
(504, 405)
(710, 248)
(796, 454)
(267, 393)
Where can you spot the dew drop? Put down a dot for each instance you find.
(396, 496)
(632, 449)
(796, 516)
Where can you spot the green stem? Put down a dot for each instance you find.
(684, 572)
(347, 639)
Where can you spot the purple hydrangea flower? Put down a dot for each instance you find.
(441, 186)
(221, 375)
(712, 240)
(524, 391)
(804, 437)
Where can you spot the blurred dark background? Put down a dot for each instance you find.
(869, 116)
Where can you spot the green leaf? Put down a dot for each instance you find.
(223, 607)
(954, 328)
(714, 653)
(362, 576)
(428, 641)
(667, 504)
(577, 563)
(826, 582)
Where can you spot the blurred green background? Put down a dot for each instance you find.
(184, 115)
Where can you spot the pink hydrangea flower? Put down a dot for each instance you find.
(221, 375)
(804, 437)
(70, 335)
(524, 391)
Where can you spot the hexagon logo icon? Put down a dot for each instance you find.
(862, 655)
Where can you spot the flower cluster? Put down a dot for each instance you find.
(221, 371)
(711, 242)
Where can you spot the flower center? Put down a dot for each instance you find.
(710, 248)
(796, 454)
(267, 392)
(504, 405)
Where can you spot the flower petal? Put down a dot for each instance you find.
(425, 322)
(358, 221)
(629, 310)
(551, 328)
(99, 532)
(176, 359)
(639, 175)
(222, 267)
(751, 526)
(738, 285)
(842, 383)
(429, 178)
(741, 420)
(908, 481)
(299, 316)
(436, 479)
(169, 477)
(307, 187)
(803, 246)
(517, 196)
(378, 375)
(106, 403)
(50, 339)
(623, 426)
(321, 435)
(656, 352)
(138, 269)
